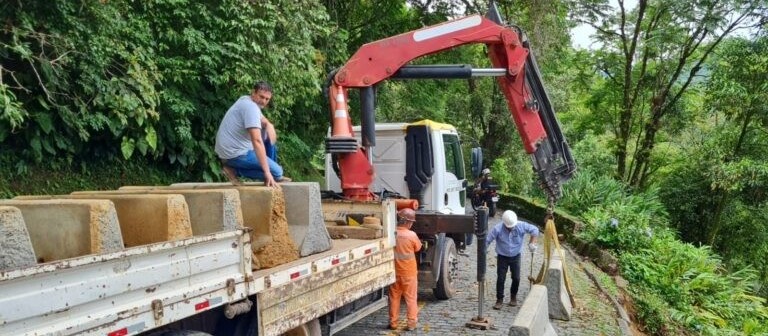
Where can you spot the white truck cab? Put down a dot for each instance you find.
(427, 147)
(423, 161)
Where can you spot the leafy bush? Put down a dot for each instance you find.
(615, 219)
(699, 295)
(587, 189)
(652, 310)
(57, 177)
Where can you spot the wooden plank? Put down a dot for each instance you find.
(353, 232)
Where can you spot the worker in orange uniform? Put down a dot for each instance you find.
(406, 273)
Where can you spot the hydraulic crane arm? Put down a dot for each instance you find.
(517, 76)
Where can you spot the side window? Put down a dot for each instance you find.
(454, 162)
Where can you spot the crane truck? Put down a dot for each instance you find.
(423, 160)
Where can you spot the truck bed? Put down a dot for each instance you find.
(126, 292)
(303, 290)
(138, 289)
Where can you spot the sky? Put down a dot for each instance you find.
(581, 35)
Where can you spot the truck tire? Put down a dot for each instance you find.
(491, 209)
(311, 328)
(449, 267)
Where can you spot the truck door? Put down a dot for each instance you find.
(449, 172)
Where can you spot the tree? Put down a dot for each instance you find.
(738, 91)
(652, 54)
(107, 80)
(716, 192)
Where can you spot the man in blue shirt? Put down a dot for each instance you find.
(508, 236)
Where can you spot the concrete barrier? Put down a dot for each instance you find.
(263, 211)
(210, 211)
(65, 228)
(305, 217)
(533, 317)
(143, 218)
(15, 247)
(559, 302)
(146, 219)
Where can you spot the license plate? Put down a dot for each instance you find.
(495, 198)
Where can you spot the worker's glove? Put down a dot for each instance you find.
(532, 247)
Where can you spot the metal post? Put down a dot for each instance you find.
(481, 230)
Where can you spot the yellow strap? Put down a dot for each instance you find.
(550, 241)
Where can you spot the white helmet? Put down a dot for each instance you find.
(509, 218)
(486, 171)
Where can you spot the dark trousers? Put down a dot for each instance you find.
(502, 264)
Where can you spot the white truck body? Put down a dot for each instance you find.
(444, 193)
(145, 287)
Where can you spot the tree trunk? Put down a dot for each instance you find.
(642, 161)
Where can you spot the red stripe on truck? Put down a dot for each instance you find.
(119, 332)
(202, 305)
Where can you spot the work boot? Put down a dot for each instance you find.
(231, 175)
(497, 306)
(283, 179)
(513, 303)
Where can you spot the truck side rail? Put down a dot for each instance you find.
(127, 292)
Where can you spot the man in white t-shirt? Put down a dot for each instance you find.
(240, 142)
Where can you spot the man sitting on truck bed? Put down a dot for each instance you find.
(240, 143)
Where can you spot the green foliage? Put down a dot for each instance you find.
(294, 156)
(512, 176)
(615, 219)
(652, 310)
(650, 57)
(690, 285)
(123, 79)
(58, 177)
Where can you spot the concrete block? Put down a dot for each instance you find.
(305, 217)
(264, 212)
(147, 219)
(210, 211)
(66, 228)
(15, 247)
(559, 302)
(533, 317)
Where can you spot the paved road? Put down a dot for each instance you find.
(593, 315)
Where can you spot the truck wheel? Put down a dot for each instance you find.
(311, 328)
(491, 209)
(448, 271)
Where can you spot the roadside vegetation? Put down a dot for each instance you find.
(666, 113)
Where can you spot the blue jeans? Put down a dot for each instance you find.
(270, 149)
(502, 264)
(248, 166)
